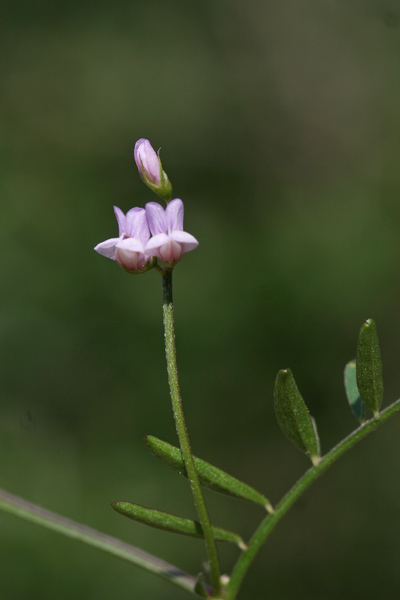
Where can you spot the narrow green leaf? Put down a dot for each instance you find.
(293, 416)
(209, 476)
(168, 522)
(353, 395)
(369, 367)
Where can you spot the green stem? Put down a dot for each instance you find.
(267, 526)
(36, 514)
(170, 351)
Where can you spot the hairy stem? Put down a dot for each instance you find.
(270, 522)
(170, 351)
(36, 514)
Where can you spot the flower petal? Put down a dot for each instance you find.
(186, 240)
(136, 224)
(108, 248)
(121, 220)
(155, 243)
(172, 251)
(136, 154)
(156, 218)
(164, 248)
(174, 214)
(131, 244)
(130, 254)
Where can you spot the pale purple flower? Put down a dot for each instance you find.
(169, 241)
(147, 161)
(129, 248)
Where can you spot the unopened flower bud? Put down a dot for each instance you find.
(150, 169)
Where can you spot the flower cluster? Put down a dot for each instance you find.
(134, 249)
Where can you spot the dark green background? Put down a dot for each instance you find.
(279, 124)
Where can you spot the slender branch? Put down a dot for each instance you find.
(36, 514)
(267, 526)
(170, 351)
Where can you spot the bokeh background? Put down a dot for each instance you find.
(279, 125)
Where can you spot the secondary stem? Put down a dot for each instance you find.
(270, 522)
(170, 351)
(45, 518)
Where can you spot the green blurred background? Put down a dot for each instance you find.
(279, 125)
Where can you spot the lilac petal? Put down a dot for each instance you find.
(121, 220)
(156, 218)
(165, 248)
(129, 220)
(155, 243)
(174, 214)
(136, 154)
(130, 254)
(108, 248)
(151, 162)
(171, 247)
(136, 224)
(140, 229)
(186, 240)
(171, 251)
(131, 245)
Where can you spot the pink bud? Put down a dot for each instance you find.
(147, 161)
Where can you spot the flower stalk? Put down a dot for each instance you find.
(170, 352)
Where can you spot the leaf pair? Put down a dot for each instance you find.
(363, 384)
(209, 476)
